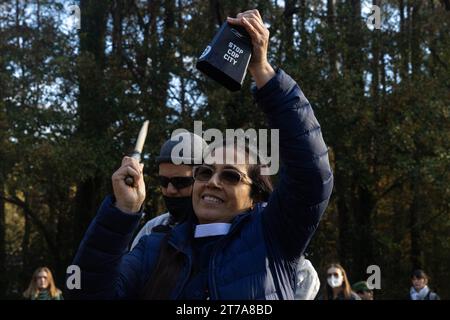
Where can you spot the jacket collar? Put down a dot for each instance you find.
(182, 234)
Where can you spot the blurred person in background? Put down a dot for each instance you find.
(337, 286)
(419, 289)
(42, 286)
(362, 290)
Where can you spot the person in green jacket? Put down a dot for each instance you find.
(42, 286)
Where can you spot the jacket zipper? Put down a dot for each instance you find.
(213, 290)
(186, 278)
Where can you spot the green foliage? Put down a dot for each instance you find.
(71, 103)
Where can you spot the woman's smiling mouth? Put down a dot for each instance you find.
(208, 198)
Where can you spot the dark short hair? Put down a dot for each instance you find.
(419, 274)
(261, 187)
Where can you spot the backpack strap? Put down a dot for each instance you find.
(427, 297)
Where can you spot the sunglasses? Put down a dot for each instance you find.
(227, 176)
(177, 182)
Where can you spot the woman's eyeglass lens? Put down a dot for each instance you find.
(228, 176)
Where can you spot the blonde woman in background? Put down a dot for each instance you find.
(42, 286)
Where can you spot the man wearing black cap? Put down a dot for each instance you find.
(176, 181)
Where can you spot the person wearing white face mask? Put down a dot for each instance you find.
(337, 285)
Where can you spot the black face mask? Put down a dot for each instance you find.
(179, 208)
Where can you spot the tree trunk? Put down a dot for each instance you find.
(288, 32)
(363, 257)
(92, 107)
(302, 30)
(355, 58)
(414, 222)
(3, 270)
(376, 36)
(117, 28)
(345, 241)
(94, 114)
(403, 41)
(26, 268)
(416, 31)
(331, 46)
(216, 14)
(366, 196)
(4, 168)
(342, 189)
(418, 200)
(86, 204)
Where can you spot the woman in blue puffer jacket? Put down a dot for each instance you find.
(240, 244)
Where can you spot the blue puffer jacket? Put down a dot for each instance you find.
(257, 258)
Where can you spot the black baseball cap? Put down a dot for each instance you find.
(193, 156)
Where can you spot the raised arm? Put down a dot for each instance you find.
(297, 204)
(306, 181)
(107, 270)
